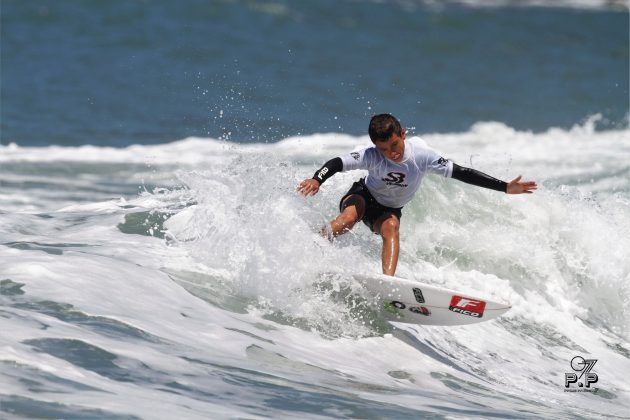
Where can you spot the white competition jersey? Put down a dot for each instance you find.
(394, 184)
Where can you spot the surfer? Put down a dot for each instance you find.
(395, 168)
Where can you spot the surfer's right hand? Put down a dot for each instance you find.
(308, 187)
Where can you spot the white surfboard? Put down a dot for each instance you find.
(408, 301)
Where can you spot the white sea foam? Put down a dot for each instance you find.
(200, 296)
(571, 4)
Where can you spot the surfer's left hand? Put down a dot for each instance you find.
(515, 186)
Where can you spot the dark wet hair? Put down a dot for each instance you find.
(383, 126)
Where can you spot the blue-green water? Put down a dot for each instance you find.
(120, 73)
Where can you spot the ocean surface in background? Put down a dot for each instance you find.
(138, 72)
(156, 261)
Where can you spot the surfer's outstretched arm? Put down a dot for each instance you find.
(478, 178)
(311, 186)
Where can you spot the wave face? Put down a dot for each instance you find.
(187, 279)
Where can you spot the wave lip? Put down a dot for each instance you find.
(198, 151)
(569, 4)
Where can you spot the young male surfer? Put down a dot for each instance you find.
(395, 168)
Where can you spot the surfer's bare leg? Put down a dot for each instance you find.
(353, 208)
(388, 227)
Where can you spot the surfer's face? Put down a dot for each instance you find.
(393, 148)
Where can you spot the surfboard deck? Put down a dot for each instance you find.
(413, 302)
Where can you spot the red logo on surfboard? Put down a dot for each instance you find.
(467, 306)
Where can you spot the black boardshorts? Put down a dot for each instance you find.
(373, 209)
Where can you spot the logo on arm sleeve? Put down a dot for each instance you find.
(355, 155)
(442, 162)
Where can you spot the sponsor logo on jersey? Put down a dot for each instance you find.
(467, 306)
(418, 295)
(396, 179)
(355, 155)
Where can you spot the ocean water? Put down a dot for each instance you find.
(113, 74)
(156, 261)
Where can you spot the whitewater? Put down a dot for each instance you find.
(187, 280)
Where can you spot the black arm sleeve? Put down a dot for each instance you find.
(474, 177)
(329, 169)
